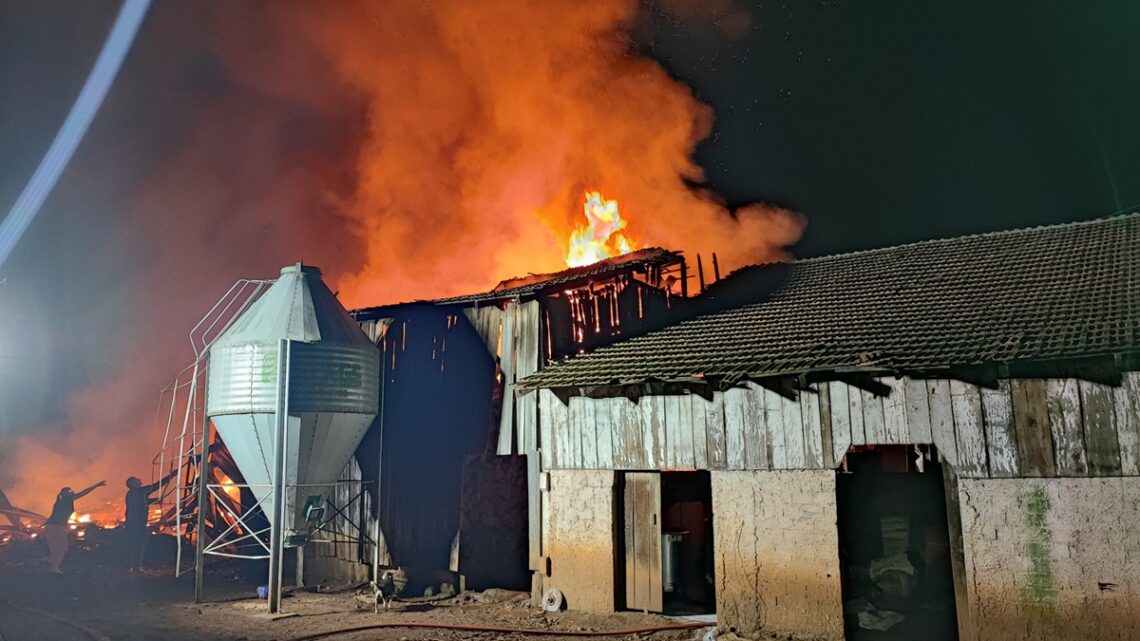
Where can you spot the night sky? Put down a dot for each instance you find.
(890, 122)
(882, 122)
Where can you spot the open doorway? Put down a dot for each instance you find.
(894, 545)
(668, 545)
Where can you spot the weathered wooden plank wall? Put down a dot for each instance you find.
(487, 322)
(528, 339)
(507, 342)
(514, 334)
(1024, 428)
(1127, 403)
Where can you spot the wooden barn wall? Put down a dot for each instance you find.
(1024, 428)
(513, 336)
(343, 536)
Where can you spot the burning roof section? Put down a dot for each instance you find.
(531, 285)
(1032, 295)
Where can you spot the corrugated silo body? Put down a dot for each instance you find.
(334, 380)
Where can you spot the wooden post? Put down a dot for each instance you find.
(957, 554)
(701, 273)
(716, 269)
(684, 279)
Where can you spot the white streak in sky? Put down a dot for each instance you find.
(74, 127)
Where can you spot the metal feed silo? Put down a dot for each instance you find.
(333, 382)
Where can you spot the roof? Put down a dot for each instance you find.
(1044, 293)
(297, 306)
(534, 284)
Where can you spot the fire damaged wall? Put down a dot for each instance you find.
(436, 412)
(777, 568)
(1052, 558)
(580, 538)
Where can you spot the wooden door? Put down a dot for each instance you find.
(643, 541)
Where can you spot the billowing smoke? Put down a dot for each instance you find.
(487, 121)
(411, 149)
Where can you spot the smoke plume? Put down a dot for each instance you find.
(411, 149)
(487, 122)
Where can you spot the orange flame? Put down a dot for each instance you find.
(602, 236)
(229, 488)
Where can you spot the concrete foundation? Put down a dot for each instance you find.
(580, 538)
(1052, 559)
(777, 560)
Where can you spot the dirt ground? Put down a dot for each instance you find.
(97, 599)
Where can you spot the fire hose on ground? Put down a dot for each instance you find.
(458, 627)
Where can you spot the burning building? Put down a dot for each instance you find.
(446, 473)
(455, 450)
(945, 433)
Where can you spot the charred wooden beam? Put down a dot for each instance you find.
(701, 273)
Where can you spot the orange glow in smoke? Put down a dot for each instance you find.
(460, 138)
(231, 490)
(602, 236)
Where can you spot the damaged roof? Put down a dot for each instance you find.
(534, 284)
(1045, 293)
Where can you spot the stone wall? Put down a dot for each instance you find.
(1052, 558)
(777, 561)
(579, 536)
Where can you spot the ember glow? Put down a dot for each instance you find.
(105, 517)
(602, 236)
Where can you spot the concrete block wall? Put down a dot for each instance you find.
(1049, 559)
(579, 522)
(777, 559)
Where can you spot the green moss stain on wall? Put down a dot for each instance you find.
(1040, 591)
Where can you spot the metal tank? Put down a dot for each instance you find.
(334, 379)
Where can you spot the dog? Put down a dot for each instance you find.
(388, 586)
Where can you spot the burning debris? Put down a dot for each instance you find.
(21, 524)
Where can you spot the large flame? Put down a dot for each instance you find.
(601, 237)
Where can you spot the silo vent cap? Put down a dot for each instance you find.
(300, 268)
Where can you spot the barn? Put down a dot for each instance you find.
(454, 449)
(933, 437)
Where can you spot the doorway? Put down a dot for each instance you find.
(668, 544)
(894, 545)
